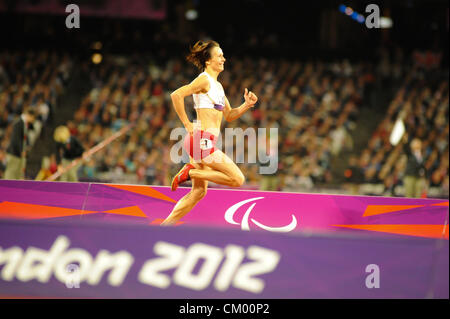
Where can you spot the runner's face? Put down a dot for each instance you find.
(217, 60)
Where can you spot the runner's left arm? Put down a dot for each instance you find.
(232, 114)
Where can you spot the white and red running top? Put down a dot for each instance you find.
(213, 99)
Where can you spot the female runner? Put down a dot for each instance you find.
(207, 163)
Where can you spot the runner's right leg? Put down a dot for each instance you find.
(188, 202)
(224, 170)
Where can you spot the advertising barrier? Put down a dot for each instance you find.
(109, 260)
(102, 241)
(232, 209)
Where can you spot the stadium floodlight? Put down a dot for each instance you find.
(348, 11)
(360, 18)
(385, 23)
(191, 14)
(97, 58)
(352, 13)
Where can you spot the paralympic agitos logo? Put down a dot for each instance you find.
(229, 217)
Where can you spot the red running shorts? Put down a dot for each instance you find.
(200, 144)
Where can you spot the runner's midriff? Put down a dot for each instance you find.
(210, 120)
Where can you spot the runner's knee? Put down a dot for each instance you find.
(198, 193)
(238, 180)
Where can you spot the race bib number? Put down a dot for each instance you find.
(205, 144)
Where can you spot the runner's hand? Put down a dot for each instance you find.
(250, 98)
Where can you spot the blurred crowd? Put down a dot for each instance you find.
(32, 79)
(422, 103)
(314, 105)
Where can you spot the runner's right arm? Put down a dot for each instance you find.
(200, 84)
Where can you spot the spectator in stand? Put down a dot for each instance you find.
(33, 79)
(415, 173)
(421, 100)
(19, 145)
(2, 163)
(68, 149)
